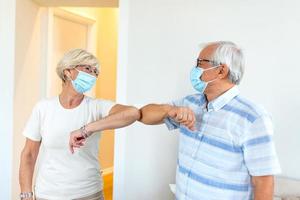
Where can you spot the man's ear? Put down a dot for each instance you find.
(224, 71)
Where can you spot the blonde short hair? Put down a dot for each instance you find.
(73, 58)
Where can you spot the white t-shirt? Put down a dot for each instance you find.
(62, 175)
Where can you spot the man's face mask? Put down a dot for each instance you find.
(196, 81)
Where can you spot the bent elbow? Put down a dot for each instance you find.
(134, 113)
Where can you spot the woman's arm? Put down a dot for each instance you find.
(119, 116)
(28, 159)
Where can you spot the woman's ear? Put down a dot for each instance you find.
(224, 71)
(67, 74)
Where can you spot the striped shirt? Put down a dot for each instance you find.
(232, 142)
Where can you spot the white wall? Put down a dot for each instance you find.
(163, 38)
(29, 70)
(7, 53)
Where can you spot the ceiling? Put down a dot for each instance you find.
(81, 3)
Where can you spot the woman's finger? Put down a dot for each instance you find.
(71, 148)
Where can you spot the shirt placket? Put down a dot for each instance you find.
(197, 145)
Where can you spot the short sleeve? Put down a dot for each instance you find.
(32, 128)
(105, 106)
(259, 149)
(170, 123)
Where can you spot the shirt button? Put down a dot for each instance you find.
(194, 155)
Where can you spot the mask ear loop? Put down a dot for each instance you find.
(210, 69)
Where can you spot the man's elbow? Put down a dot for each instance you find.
(263, 180)
(263, 187)
(145, 116)
(153, 114)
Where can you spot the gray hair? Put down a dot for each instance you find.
(73, 58)
(230, 54)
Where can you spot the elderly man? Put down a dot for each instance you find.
(230, 155)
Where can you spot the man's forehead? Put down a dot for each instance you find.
(207, 51)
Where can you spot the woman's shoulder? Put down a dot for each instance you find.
(46, 102)
(94, 100)
(99, 103)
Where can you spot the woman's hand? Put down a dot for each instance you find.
(76, 140)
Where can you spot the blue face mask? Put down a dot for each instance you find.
(196, 81)
(83, 82)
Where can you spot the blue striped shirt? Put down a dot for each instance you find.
(232, 142)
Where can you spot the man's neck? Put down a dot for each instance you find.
(217, 90)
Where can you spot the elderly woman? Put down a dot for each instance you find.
(65, 174)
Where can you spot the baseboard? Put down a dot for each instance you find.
(107, 171)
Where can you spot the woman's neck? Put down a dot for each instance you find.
(69, 98)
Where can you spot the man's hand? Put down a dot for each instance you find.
(184, 116)
(76, 140)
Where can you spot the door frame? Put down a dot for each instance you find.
(7, 84)
(121, 97)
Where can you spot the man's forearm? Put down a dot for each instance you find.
(115, 120)
(154, 113)
(263, 187)
(26, 172)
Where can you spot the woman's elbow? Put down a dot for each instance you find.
(30, 154)
(134, 113)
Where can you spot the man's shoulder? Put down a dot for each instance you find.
(197, 99)
(248, 106)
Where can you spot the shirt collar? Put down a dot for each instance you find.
(223, 99)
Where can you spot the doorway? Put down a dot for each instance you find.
(96, 31)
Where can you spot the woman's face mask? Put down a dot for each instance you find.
(83, 82)
(196, 81)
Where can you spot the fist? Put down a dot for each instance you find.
(184, 116)
(76, 140)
